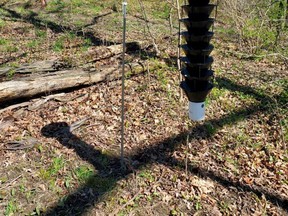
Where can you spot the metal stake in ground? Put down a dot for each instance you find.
(124, 4)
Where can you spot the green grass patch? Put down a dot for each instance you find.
(3, 41)
(69, 40)
(2, 23)
(59, 44)
(86, 174)
(10, 74)
(244, 97)
(57, 164)
(216, 93)
(33, 44)
(83, 173)
(11, 49)
(56, 6)
(162, 78)
(11, 207)
(163, 13)
(40, 33)
(228, 32)
(147, 175)
(6, 46)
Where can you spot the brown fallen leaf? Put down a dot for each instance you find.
(248, 180)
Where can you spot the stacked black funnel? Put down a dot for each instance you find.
(196, 67)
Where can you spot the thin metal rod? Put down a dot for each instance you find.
(124, 4)
(178, 49)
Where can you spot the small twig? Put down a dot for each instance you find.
(148, 27)
(78, 124)
(186, 155)
(35, 105)
(21, 145)
(13, 180)
(24, 104)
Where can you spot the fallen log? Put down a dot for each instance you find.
(93, 54)
(40, 67)
(52, 82)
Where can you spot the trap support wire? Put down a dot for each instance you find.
(124, 9)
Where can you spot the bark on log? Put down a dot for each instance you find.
(4, 71)
(51, 82)
(99, 53)
(94, 54)
(40, 67)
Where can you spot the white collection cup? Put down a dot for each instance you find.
(196, 111)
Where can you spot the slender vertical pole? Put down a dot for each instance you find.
(178, 49)
(124, 4)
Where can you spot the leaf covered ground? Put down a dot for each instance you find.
(233, 163)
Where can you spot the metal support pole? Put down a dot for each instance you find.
(124, 4)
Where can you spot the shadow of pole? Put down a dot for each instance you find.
(77, 202)
(276, 198)
(83, 198)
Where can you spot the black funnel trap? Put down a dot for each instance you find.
(192, 52)
(198, 2)
(198, 27)
(204, 64)
(196, 65)
(197, 41)
(196, 95)
(198, 13)
(197, 75)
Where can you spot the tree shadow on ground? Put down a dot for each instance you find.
(108, 170)
(90, 193)
(57, 28)
(32, 18)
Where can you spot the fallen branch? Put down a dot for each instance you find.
(35, 104)
(61, 80)
(78, 124)
(11, 182)
(21, 145)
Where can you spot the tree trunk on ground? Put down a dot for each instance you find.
(94, 54)
(44, 77)
(51, 82)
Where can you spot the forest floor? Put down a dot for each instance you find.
(233, 163)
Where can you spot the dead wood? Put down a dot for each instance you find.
(4, 71)
(94, 53)
(51, 82)
(22, 144)
(40, 67)
(6, 122)
(104, 52)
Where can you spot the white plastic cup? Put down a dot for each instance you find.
(196, 111)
